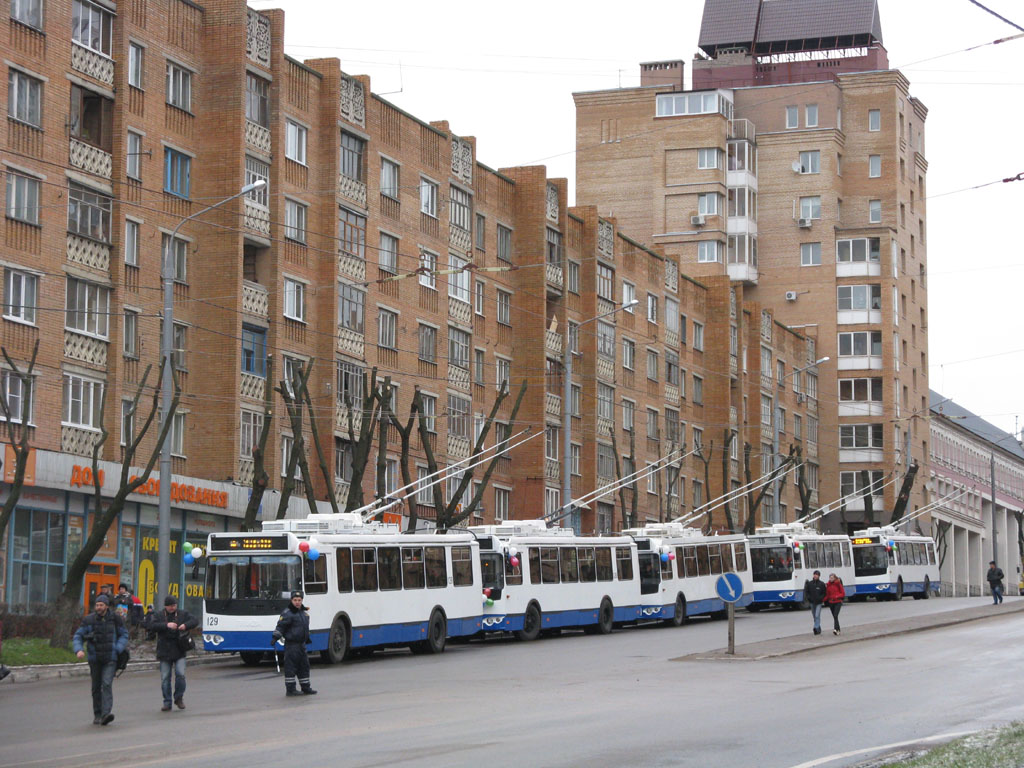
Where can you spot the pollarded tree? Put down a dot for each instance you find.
(17, 430)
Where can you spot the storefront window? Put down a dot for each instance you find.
(37, 558)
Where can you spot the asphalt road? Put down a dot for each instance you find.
(567, 701)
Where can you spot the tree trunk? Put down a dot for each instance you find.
(260, 477)
(405, 435)
(17, 435)
(729, 436)
(706, 461)
(291, 393)
(361, 446)
(386, 393)
(618, 477)
(327, 474)
(754, 498)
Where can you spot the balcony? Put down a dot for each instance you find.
(860, 455)
(78, 441)
(351, 266)
(257, 218)
(257, 38)
(551, 468)
(604, 306)
(553, 274)
(458, 377)
(867, 408)
(552, 405)
(352, 190)
(671, 394)
(460, 311)
(858, 269)
(458, 447)
(341, 489)
(858, 316)
(244, 471)
(605, 368)
(88, 253)
(253, 387)
(93, 64)
(743, 273)
(85, 349)
(553, 342)
(343, 415)
(255, 299)
(606, 240)
(857, 504)
(352, 105)
(257, 137)
(459, 239)
(859, 363)
(89, 158)
(350, 342)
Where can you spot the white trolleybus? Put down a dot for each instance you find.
(370, 587)
(785, 555)
(539, 579)
(890, 564)
(690, 564)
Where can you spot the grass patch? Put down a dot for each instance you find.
(998, 748)
(20, 651)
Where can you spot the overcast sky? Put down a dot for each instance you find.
(505, 73)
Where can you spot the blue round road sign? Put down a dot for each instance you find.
(729, 587)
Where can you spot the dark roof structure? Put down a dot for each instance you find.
(1001, 440)
(772, 26)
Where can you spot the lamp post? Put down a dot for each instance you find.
(163, 556)
(775, 430)
(567, 400)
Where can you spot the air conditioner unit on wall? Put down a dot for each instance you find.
(790, 295)
(804, 223)
(697, 221)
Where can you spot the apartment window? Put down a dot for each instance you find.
(812, 429)
(860, 343)
(254, 351)
(428, 197)
(294, 300)
(576, 399)
(798, 427)
(351, 307)
(554, 247)
(860, 435)
(574, 337)
(652, 308)
(351, 161)
(857, 250)
(257, 108)
(504, 243)
(606, 340)
(287, 444)
(736, 201)
(628, 415)
(389, 178)
(810, 254)
(605, 282)
(458, 280)
(503, 369)
(652, 365)
(628, 296)
(605, 400)
(179, 356)
(21, 291)
(672, 426)
(458, 348)
(810, 207)
(709, 158)
(504, 307)
(22, 198)
(672, 367)
(481, 232)
(653, 424)
(249, 437)
(792, 117)
(811, 115)
(88, 306)
(177, 253)
(707, 203)
(628, 354)
(551, 442)
(29, 12)
(605, 461)
(810, 162)
(294, 221)
(387, 255)
(860, 297)
(501, 504)
(82, 402)
(88, 213)
(698, 336)
(429, 407)
(698, 493)
(127, 422)
(350, 383)
(479, 364)
(874, 119)
(177, 172)
(860, 390)
(428, 265)
(130, 342)
(387, 323)
(682, 329)
(428, 343)
(257, 170)
(136, 61)
(874, 166)
(875, 211)
(709, 251)
(24, 98)
(671, 314)
(458, 416)
(179, 87)
(295, 141)
(90, 26)
(460, 209)
(479, 296)
(133, 155)
(352, 233)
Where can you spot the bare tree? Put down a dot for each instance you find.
(756, 496)
(68, 602)
(729, 435)
(17, 434)
(672, 470)
(328, 475)
(291, 393)
(629, 518)
(360, 446)
(384, 398)
(260, 477)
(801, 483)
(405, 435)
(705, 459)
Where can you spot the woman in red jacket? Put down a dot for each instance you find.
(835, 593)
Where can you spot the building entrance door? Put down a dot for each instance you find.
(98, 576)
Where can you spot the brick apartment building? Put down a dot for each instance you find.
(379, 241)
(795, 167)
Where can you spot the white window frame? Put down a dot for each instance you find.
(249, 428)
(709, 158)
(387, 255)
(811, 115)
(21, 295)
(90, 394)
(296, 139)
(810, 161)
(89, 23)
(94, 318)
(628, 415)
(652, 308)
(387, 328)
(428, 265)
(810, 254)
(12, 389)
(179, 86)
(130, 336)
(294, 299)
(874, 166)
(503, 372)
(479, 297)
(428, 197)
(295, 214)
(136, 64)
(133, 155)
(628, 296)
(874, 120)
(504, 303)
(874, 211)
(459, 342)
(792, 116)
(708, 204)
(459, 278)
(709, 251)
(809, 206)
(24, 98)
(23, 197)
(698, 336)
(628, 354)
(28, 12)
(390, 175)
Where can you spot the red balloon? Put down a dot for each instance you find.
(487, 591)
(515, 562)
(303, 546)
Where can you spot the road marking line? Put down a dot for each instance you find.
(81, 754)
(894, 745)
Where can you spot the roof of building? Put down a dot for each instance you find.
(732, 23)
(988, 432)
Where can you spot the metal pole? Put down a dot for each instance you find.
(567, 424)
(776, 516)
(732, 629)
(992, 480)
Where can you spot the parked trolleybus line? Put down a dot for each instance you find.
(890, 565)
(785, 555)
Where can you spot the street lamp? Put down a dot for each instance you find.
(567, 400)
(163, 556)
(775, 430)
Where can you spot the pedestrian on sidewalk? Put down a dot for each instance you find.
(293, 628)
(814, 593)
(835, 593)
(995, 582)
(172, 641)
(107, 636)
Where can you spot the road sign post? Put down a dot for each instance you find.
(729, 587)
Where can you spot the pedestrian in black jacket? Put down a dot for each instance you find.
(814, 593)
(106, 636)
(172, 627)
(293, 629)
(995, 582)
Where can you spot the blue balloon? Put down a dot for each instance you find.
(189, 559)
(313, 554)
(664, 557)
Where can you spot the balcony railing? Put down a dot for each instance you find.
(95, 65)
(552, 405)
(89, 158)
(257, 137)
(351, 189)
(255, 299)
(553, 273)
(553, 342)
(257, 218)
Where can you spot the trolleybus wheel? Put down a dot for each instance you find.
(437, 634)
(679, 618)
(899, 589)
(337, 643)
(531, 623)
(927, 588)
(251, 658)
(605, 617)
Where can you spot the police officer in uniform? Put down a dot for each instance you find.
(293, 628)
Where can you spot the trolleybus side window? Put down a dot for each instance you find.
(587, 571)
(604, 563)
(689, 562)
(513, 573)
(314, 574)
(727, 562)
(703, 560)
(830, 553)
(892, 556)
(389, 568)
(535, 565)
(462, 567)
(437, 568)
(412, 567)
(364, 569)
(549, 565)
(568, 565)
(715, 558)
(931, 553)
(343, 560)
(741, 556)
(666, 568)
(624, 563)
(846, 554)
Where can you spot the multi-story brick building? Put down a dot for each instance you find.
(795, 167)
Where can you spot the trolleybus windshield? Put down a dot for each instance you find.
(870, 560)
(252, 577)
(771, 563)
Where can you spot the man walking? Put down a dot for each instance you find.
(814, 593)
(172, 627)
(106, 635)
(293, 628)
(995, 582)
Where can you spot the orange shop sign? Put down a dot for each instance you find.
(180, 492)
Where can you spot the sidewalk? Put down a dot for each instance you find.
(806, 642)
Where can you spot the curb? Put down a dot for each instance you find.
(33, 673)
